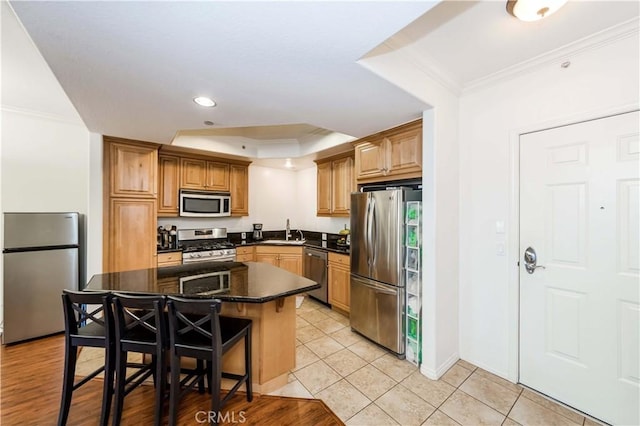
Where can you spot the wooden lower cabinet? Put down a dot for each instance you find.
(132, 234)
(288, 258)
(170, 259)
(246, 254)
(339, 281)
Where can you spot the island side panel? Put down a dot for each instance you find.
(273, 342)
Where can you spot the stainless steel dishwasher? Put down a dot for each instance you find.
(315, 268)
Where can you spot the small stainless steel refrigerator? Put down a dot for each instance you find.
(377, 261)
(41, 258)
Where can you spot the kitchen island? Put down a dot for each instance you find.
(258, 291)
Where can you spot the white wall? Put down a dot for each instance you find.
(440, 207)
(599, 80)
(44, 143)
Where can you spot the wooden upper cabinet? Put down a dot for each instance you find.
(335, 184)
(343, 184)
(239, 187)
(404, 150)
(133, 170)
(391, 155)
(217, 176)
(324, 188)
(370, 159)
(169, 171)
(193, 173)
(204, 175)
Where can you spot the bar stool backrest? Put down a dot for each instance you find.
(194, 325)
(87, 316)
(140, 322)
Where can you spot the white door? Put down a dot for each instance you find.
(579, 315)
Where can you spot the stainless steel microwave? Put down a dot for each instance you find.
(204, 203)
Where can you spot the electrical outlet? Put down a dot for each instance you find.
(324, 237)
(243, 235)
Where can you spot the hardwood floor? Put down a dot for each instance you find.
(30, 386)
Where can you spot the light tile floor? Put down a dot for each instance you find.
(365, 385)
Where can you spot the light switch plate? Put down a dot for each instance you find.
(324, 237)
(499, 227)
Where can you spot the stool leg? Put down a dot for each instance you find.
(174, 392)
(216, 382)
(70, 357)
(121, 377)
(247, 364)
(161, 385)
(107, 390)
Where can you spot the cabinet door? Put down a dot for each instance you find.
(405, 151)
(169, 185)
(133, 170)
(132, 234)
(370, 159)
(270, 258)
(324, 188)
(343, 184)
(339, 286)
(291, 262)
(193, 173)
(239, 187)
(217, 176)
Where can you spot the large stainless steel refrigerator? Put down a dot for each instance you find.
(377, 265)
(41, 258)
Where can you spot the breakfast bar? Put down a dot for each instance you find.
(257, 291)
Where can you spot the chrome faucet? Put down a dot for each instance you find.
(287, 234)
(301, 236)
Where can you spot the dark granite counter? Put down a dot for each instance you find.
(248, 282)
(169, 250)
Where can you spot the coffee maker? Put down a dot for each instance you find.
(257, 231)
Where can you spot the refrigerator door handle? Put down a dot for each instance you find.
(379, 288)
(368, 231)
(374, 234)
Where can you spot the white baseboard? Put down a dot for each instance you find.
(441, 369)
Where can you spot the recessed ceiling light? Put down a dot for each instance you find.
(204, 101)
(288, 164)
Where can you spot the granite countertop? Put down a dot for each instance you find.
(169, 250)
(249, 282)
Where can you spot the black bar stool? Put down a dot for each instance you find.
(196, 330)
(88, 321)
(140, 326)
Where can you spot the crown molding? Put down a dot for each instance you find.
(439, 73)
(592, 42)
(42, 115)
(428, 65)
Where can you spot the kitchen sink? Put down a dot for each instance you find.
(285, 242)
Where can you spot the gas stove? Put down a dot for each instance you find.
(207, 244)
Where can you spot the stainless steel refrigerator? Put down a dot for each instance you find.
(41, 258)
(377, 260)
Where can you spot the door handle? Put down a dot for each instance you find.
(531, 260)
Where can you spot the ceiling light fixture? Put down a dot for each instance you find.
(204, 101)
(533, 10)
(288, 164)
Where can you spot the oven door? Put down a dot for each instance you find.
(204, 204)
(206, 284)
